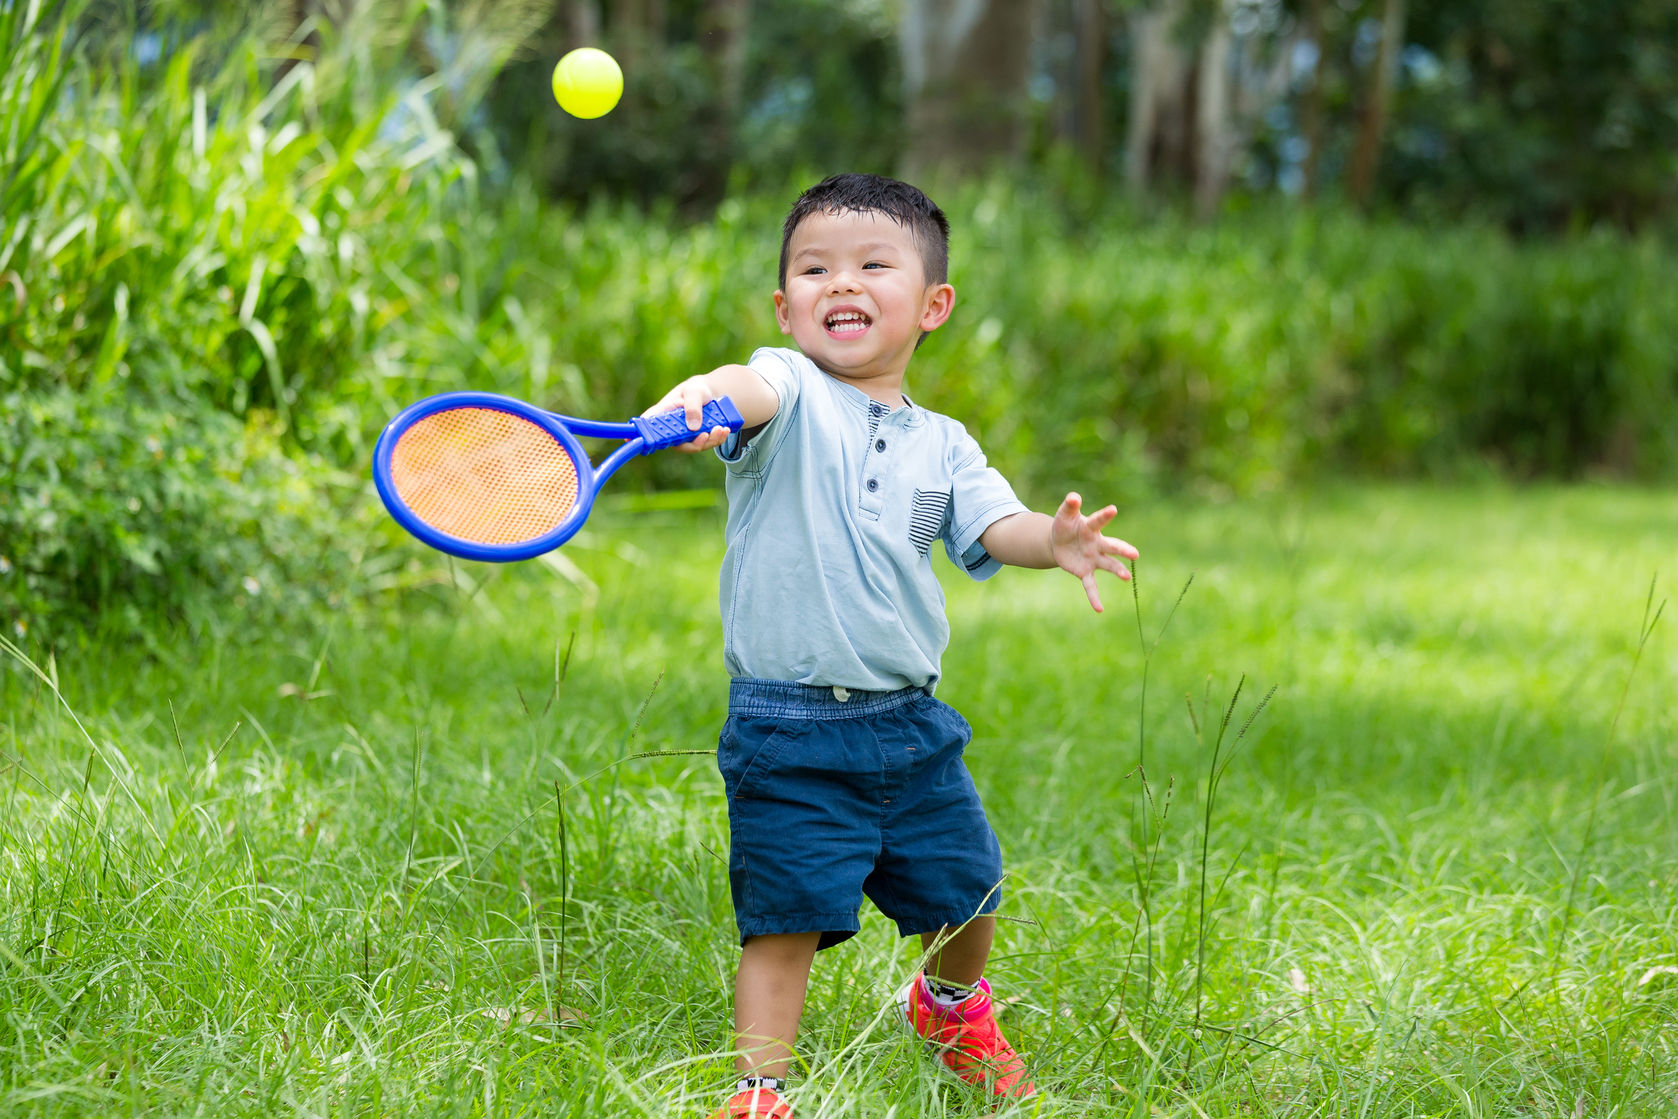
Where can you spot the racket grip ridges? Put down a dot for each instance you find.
(670, 428)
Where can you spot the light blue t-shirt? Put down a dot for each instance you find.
(833, 507)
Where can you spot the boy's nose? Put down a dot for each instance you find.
(843, 280)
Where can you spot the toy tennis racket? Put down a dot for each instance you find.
(487, 477)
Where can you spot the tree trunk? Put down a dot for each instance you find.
(722, 36)
(1311, 111)
(582, 24)
(630, 39)
(1214, 134)
(1157, 140)
(965, 66)
(1372, 127)
(1089, 104)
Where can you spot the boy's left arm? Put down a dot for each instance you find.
(1069, 540)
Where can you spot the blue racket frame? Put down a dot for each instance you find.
(642, 435)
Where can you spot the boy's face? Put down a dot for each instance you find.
(856, 298)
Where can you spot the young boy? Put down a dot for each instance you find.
(844, 776)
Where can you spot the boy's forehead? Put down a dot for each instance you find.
(852, 229)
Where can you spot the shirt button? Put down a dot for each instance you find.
(879, 444)
(873, 484)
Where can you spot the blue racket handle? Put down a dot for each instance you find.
(670, 428)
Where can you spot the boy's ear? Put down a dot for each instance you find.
(940, 301)
(781, 312)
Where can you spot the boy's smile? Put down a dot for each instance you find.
(857, 300)
(847, 321)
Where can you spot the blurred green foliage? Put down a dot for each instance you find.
(1283, 343)
(820, 83)
(220, 272)
(1541, 114)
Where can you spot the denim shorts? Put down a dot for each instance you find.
(836, 795)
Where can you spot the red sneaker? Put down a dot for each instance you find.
(967, 1040)
(755, 1103)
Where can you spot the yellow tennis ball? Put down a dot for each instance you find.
(587, 83)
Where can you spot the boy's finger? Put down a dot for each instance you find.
(695, 395)
(706, 440)
(1113, 546)
(1108, 563)
(1100, 517)
(1093, 592)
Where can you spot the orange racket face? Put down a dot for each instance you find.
(484, 476)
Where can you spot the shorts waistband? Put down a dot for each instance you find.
(785, 699)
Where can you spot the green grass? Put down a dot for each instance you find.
(325, 872)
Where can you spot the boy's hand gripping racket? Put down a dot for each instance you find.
(487, 477)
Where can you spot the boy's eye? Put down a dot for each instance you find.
(875, 264)
(815, 270)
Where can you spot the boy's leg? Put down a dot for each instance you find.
(959, 954)
(769, 1000)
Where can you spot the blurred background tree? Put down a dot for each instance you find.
(1540, 114)
(966, 69)
(1543, 115)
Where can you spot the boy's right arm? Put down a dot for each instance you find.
(740, 383)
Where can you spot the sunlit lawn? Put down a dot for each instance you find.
(327, 871)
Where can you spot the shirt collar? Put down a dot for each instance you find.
(861, 401)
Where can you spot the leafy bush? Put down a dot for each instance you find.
(193, 279)
(1281, 343)
(117, 508)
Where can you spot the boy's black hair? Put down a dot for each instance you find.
(876, 194)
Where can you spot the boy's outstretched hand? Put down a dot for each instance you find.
(1080, 549)
(742, 384)
(1068, 540)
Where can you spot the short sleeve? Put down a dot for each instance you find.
(780, 368)
(980, 496)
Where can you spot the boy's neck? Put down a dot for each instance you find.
(887, 388)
